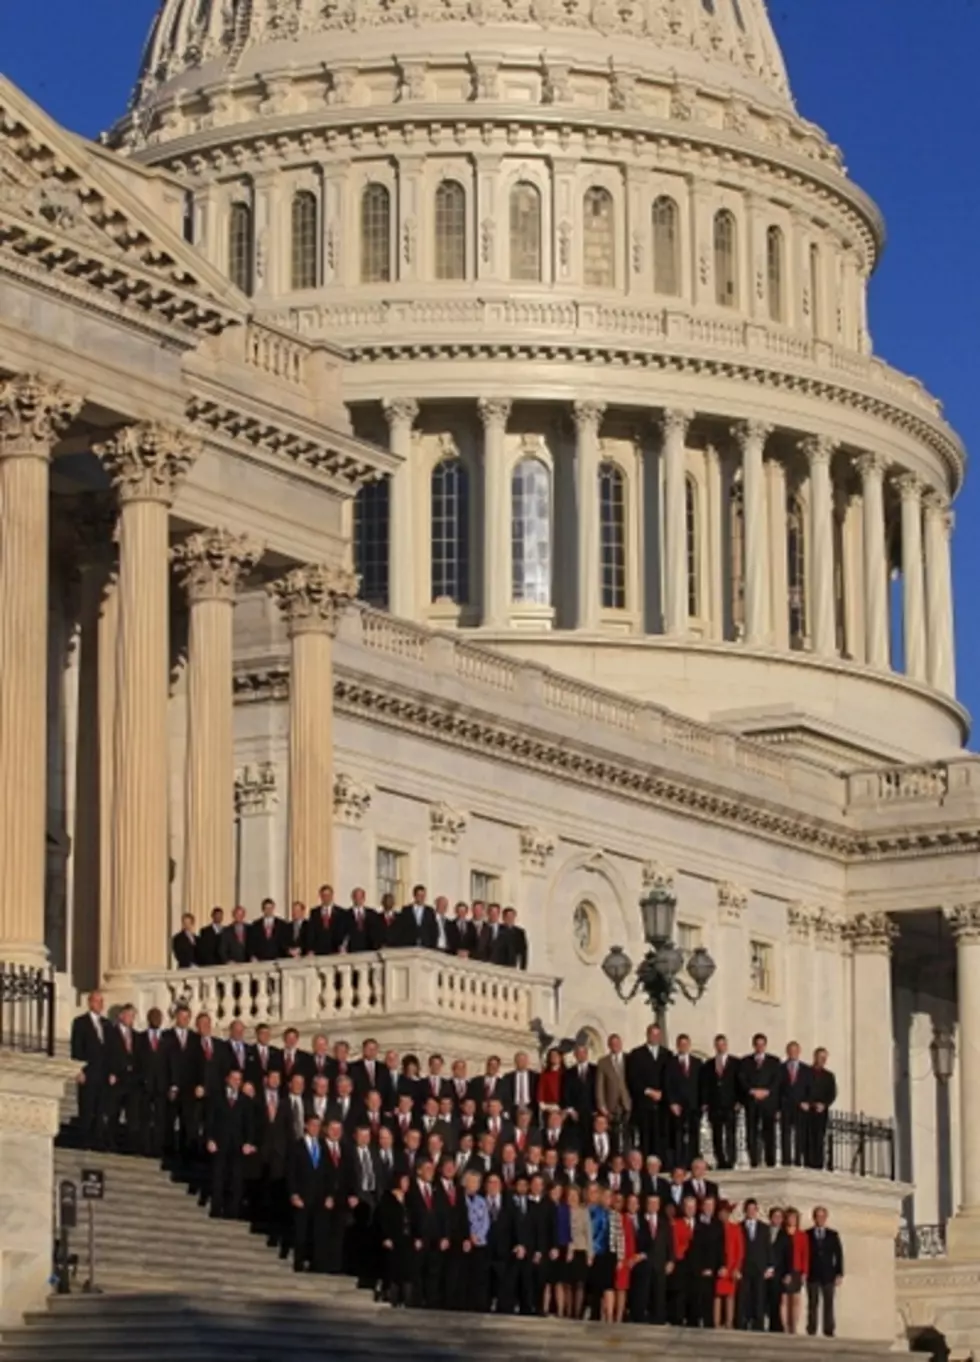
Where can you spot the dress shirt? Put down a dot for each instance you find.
(314, 1150)
(522, 1088)
(601, 1143)
(441, 943)
(97, 1023)
(367, 1168)
(478, 1218)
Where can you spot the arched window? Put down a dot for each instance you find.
(666, 247)
(241, 268)
(612, 539)
(525, 232)
(450, 230)
(796, 569)
(375, 234)
(693, 527)
(726, 292)
(815, 289)
(371, 521)
(530, 532)
(774, 272)
(304, 240)
(450, 531)
(736, 535)
(598, 238)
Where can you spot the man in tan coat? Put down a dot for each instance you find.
(612, 1095)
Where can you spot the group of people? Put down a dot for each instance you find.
(481, 931)
(579, 1189)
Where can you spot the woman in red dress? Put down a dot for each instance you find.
(729, 1275)
(625, 1241)
(550, 1082)
(795, 1268)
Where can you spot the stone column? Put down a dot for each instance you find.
(211, 563)
(401, 413)
(938, 528)
(716, 541)
(752, 437)
(588, 418)
(494, 412)
(871, 936)
(311, 599)
(146, 463)
(674, 426)
(778, 551)
(913, 584)
(33, 414)
(819, 450)
(963, 1232)
(872, 470)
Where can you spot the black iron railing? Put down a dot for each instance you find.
(921, 1241)
(860, 1145)
(26, 1009)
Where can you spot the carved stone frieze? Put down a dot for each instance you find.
(351, 800)
(256, 789)
(446, 825)
(871, 933)
(732, 901)
(657, 878)
(964, 920)
(537, 848)
(801, 922)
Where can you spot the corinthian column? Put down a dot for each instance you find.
(146, 463)
(819, 450)
(588, 418)
(871, 936)
(963, 1232)
(210, 563)
(913, 586)
(400, 413)
(939, 526)
(494, 412)
(33, 414)
(312, 600)
(674, 426)
(872, 470)
(752, 437)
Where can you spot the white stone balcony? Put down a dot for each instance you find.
(406, 999)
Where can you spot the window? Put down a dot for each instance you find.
(689, 936)
(484, 887)
(390, 871)
(796, 569)
(612, 545)
(725, 284)
(815, 289)
(774, 272)
(240, 259)
(736, 507)
(530, 532)
(693, 547)
(525, 233)
(450, 531)
(304, 243)
(450, 230)
(371, 512)
(666, 245)
(598, 238)
(188, 223)
(375, 234)
(761, 969)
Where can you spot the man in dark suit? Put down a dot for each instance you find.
(417, 922)
(151, 1066)
(759, 1081)
(523, 1242)
(823, 1095)
(517, 938)
(427, 1228)
(493, 942)
(91, 1048)
(184, 943)
(719, 1096)
(182, 1079)
(210, 1063)
(328, 924)
(263, 1058)
(520, 1087)
(296, 933)
(386, 926)
(468, 928)
(362, 933)
(794, 1106)
(230, 1129)
(706, 1257)
(209, 940)
(825, 1275)
(684, 1102)
(435, 1083)
(447, 933)
(236, 1051)
(273, 1139)
(368, 1073)
(124, 1092)
(234, 944)
(336, 1190)
(757, 1269)
(363, 1194)
(578, 1090)
(265, 935)
(699, 1185)
(646, 1077)
(648, 1281)
(599, 1143)
(305, 1178)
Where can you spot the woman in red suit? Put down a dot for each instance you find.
(729, 1275)
(625, 1240)
(794, 1268)
(549, 1083)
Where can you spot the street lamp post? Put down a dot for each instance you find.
(659, 973)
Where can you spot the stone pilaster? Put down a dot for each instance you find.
(714, 512)
(588, 418)
(494, 412)
(146, 463)
(913, 578)
(400, 413)
(211, 563)
(819, 450)
(871, 936)
(312, 600)
(872, 470)
(752, 437)
(674, 425)
(775, 471)
(33, 414)
(963, 1231)
(939, 585)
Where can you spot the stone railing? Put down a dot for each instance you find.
(929, 783)
(393, 993)
(277, 354)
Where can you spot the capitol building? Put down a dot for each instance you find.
(446, 443)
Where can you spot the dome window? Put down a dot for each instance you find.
(450, 221)
(525, 233)
(375, 234)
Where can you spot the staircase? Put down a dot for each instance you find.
(177, 1284)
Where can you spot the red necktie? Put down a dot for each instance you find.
(335, 1155)
(719, 1066)
(207, 1047)
(154, 1042)
(426, 1195)
(128, 1041)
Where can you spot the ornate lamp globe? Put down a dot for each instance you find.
(617, 966)
(657, 908)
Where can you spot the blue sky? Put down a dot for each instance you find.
(894, 82)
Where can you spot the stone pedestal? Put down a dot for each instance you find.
(31, 1088)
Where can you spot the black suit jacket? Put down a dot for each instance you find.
(684, 1090)
(274, 1137)
(362, 1080)
(208, 946)
(758, 1253)
(123, 1063)
(184, 948)
(89, 1050)
(230, 1124)
(411, 933)
(826, 1256)
(510, 1091)
(792, 1094)
(303, 1179)
(151, 1064)
(707, 1251)
(266, 947)
(518, 946)
(765, 1076)
(361, 936)
(231, 950)
(296, 936)
(646, 1070)
(710, 1189)
(495, 947)
(579, 1094)
(823, 1087)
(719, 1093)
(182, 1062)
(386, 929)
(659, 1247)
(327, 937)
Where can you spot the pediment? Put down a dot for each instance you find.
(63, 207)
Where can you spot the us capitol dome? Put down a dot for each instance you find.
(604, 290)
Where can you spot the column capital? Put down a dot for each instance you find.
(312, 598)
(910, 486)
(964, 922)
(212, 563)
(937, 504)
(588, 416)
(147, 461)
(674, 422)
(400, 409)
(871, 933)
(34, 412)
(751, 432)
(494, 411)
(819, 449)
(871, 466)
